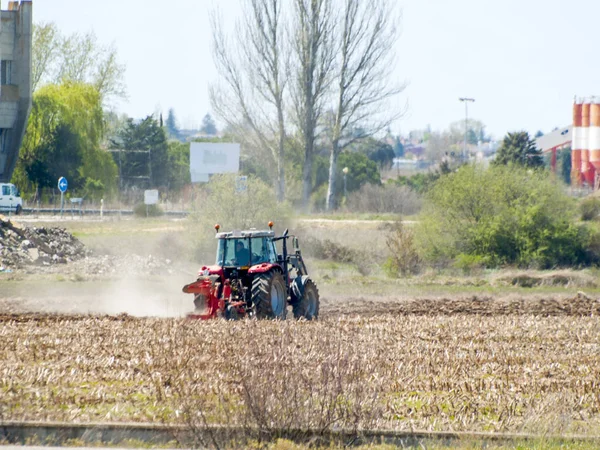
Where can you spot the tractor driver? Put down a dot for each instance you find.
(242, 255)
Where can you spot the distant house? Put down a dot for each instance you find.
(418, 150)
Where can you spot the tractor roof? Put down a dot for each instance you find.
(236, 234)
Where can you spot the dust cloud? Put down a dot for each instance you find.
(136, 296)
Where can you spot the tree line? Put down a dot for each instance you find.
(305, 75)
(311, 75)
(71, 133)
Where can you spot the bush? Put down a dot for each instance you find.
(142, 210)
(403, 258)
(328, 249)
(219, 202)
(384, 199)
(590, 208)
(505, 215)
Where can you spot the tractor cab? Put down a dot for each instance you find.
(243, 249)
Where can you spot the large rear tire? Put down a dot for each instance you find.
(307, 306)
(269, 296)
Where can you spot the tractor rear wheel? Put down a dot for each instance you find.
(269, 295)
(307, 306)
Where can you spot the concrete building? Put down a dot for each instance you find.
(15, 86)
(554, 141)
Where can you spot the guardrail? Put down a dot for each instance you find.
(95, 212)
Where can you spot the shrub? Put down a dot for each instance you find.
(142, 210)
(590, 208)
(220, 202)
(384, 199)
(328, 249)
(467, 263)
(403, 258)
(505, 215)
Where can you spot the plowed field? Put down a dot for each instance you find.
(477, 367)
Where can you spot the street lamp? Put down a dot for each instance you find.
(345, 170)
(466, 101)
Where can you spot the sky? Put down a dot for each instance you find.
(523, 61)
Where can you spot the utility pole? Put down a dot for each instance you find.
(466, 101)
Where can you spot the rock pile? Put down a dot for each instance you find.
(22, 246)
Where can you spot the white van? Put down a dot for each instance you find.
(10, 199)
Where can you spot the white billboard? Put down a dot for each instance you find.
(151, 197)
(209, 157)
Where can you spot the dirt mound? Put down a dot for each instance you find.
(567, 278)
(22, 246)
(579, 305)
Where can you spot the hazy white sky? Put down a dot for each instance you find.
(522, 60)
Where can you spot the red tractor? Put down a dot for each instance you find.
(250, 279)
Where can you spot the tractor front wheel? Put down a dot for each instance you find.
(307, 306)
(269, 296)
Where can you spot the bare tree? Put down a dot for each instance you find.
(76, 58)
(254, 78)
(313, 45)
(45, 46)
(109, 73)
(367, 35)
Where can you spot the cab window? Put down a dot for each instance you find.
(14, 191)
(5, 190)
(272, 252)
(260, 253)
(233, 252)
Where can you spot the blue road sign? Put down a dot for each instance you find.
(62, 184)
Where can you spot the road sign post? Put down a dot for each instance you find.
(62, 187)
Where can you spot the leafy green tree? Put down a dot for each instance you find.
(518, 148)
(143, 159)
(472, 137)
(63, 137)
(419, 182)
(380, 152)
(208, 126)
(361, 170)
(178, 165)
(171, 123)
(398, 147)
(563, 162)
(504, 215)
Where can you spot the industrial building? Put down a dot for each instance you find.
(15, 86)
(554, 141)
(583, 138)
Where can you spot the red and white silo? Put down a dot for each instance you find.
(576, 145)
(594, 139)
(586, 168)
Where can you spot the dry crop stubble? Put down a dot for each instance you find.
(454, 372)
